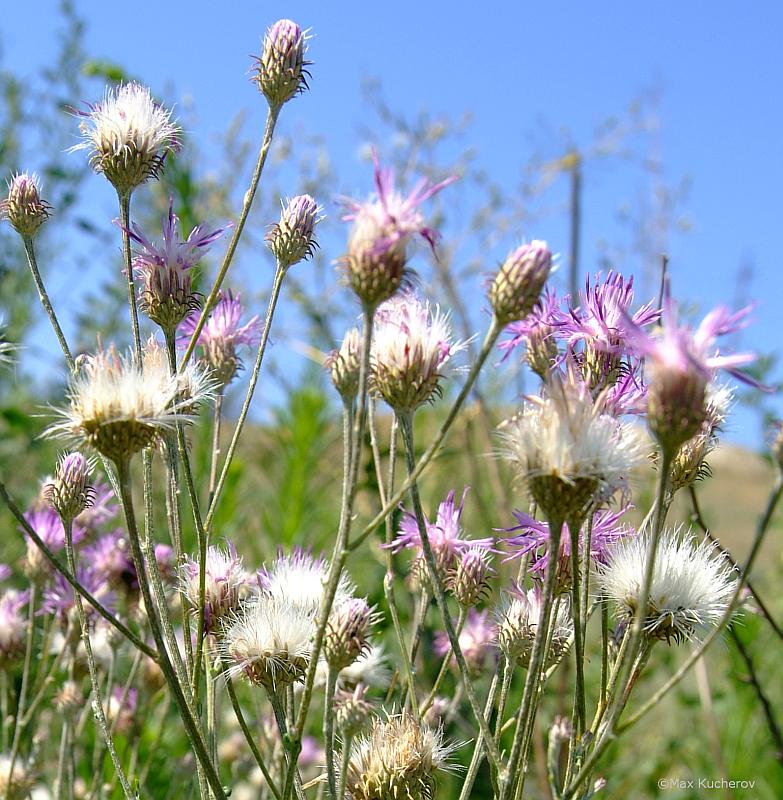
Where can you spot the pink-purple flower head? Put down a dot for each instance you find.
(47, 524)
(13, 626)
(445, 534)
(24, 207)
(167, 296)
(383, 226)
(281, 70)
(476, 640)
(518, 284)
(59, 597)
(681, 362)
(104, 508)
(109, 558)
(410, 349)
(532, 538)
(223, 332)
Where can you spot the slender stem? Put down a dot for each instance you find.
(433, 448)
(66, 573)
(391, 601)
(46, 303)
(580, 705)
(537, 656)
(125, 200)
(216, 420)
(276, 285)
(761, 530)
(290, 749)
(3, 709)
(249, 738)
(97, 702)
(478, 750)
(62, 757)
(247, 202)
(406, 425)
(340, 551)
(444, 667)
(22, 702)
(345, 760)
(329, 743)
(183, 706)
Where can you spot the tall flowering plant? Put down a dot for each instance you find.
(286, 676)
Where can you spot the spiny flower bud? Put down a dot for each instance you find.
(344, 365)
(69, 493)
(291, 240)
(24, 208)
(345, 638)
(352, 710)
(520, 281)
(675, 404)
(280, 71)
(469, 580)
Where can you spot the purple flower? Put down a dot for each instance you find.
(109, 558)
(102, 510)
(602, 321)
(13, 626)
(58, 598)
(476, 639)
(538, 325)
(222, 333)
(47, 524)
(164, 557)
(444, 533)
(533, 539)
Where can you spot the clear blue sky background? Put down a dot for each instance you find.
(510, 64)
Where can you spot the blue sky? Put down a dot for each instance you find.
(511, 65)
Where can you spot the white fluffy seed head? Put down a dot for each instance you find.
(118, 408)
(692, 586)
(269, 642)
(398, 758)
(128, 135)
(567, 451)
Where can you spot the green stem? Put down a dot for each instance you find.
(328, 728)
(46, 303)
(183, 706)
(478, 750)
(247, 202)
(444, 667)
(125, 200)
(406, 424)
(270, 312)
(97, 702)
(290, 747)
(344, 762)
(580, 705)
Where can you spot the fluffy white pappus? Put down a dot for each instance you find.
(692, 586)
(117, 407)
(299, 579)
(411, 347)
(127, 122)
(269, 642)
(564, 435)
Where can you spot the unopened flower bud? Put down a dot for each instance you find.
(24, 208)
(344, 365)
(468, 580)
(280, 72)
(676, 404)
(69, 492)
(345, 638)
(352, 710)
(560, 735)
(69, 699)
(291, 240)
(520, 281)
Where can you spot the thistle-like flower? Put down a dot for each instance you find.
(444, 534)
(292, 239)
(269, 642)
(532, 538)
(347, 631)
(377, 257)
(410, 349)
(352, 710)
(692, 585)
(538, 332)
(47, 524)
(517, 287)
(680, 363)
(344, 365)
(468, 579)
(118, 408)
(281, 70)
(103, 509)
(568, 452)
(24, 207)
(476, 640)
(517, 621)
(398, 758)
(69, 492)
(128, 136)
(166, 293)
(226, 583)
(221, 335)
(299, 579)
(109, 557)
